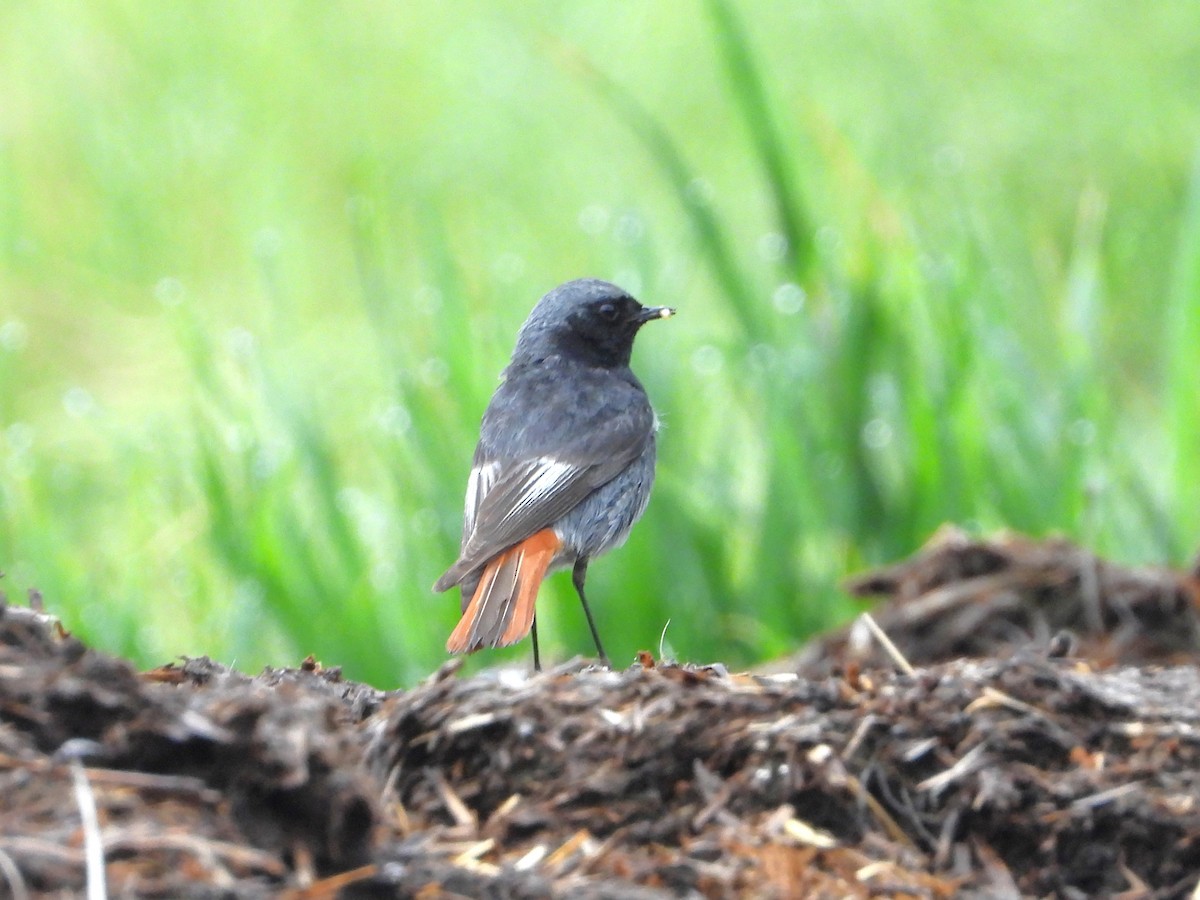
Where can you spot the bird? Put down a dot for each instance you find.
(564, 464)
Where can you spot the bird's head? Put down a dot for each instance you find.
(586, 319)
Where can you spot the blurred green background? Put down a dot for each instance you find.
(261, 264)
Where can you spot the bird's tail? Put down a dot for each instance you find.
(500, 612)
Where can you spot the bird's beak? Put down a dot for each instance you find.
(650, 313)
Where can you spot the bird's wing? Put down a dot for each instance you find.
(509, 498)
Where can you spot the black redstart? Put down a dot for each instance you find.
(564, 464)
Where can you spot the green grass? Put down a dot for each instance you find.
(259, 273)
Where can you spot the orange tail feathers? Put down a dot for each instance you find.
(501, 611)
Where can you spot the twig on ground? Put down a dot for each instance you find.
(93, 843)
(886, 643)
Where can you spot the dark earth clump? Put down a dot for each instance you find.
(1044, 766)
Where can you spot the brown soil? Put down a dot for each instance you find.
(1049, 764)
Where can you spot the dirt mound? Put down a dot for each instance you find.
(1026, 774)
(966, 598)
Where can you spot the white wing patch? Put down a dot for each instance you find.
(478, 484)
(543, 480)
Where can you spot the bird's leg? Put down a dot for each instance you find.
(578, 575)
(537, 659)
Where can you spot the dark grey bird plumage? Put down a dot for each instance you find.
(568, 439)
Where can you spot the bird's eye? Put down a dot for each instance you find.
(608, 311)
